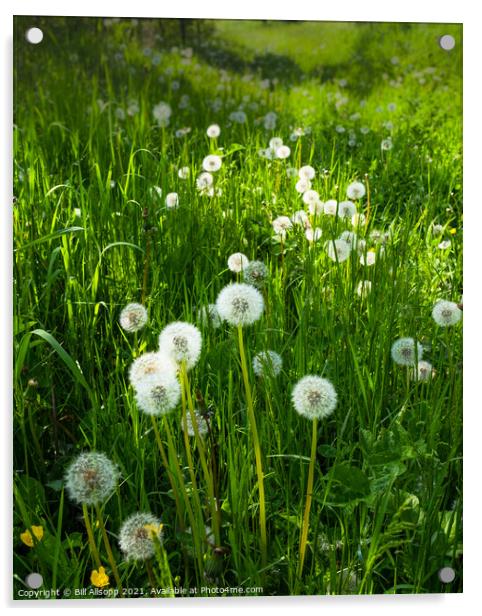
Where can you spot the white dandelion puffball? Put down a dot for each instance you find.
(158, 394)
(281, 225)
(162, 113)
(338, 250)
(386, 144)
(291, 172)
(148, 365)
(255, 273)
(240, 304)
(205, 180)
(368, 258)
(423, 371)
(358, 219)
(91, 478)
(446, 313)
(133, 317)
(363, 288)
(300, 218)
(356, 190)
(302, 185)
(310, 196)
(212, 163)
(406, 351)
(238, 116)
(314, 397)
(350, 238)
(275, 143)
(346, 209)
(330, 207)
(172, 200)
(213, 131)
(138, 534)
(306, 173)
(237, 262)
(267, 363)
(316, 208)
(282, 152)
(181, 342)
(444, 245)
(209, 315)
(184, 173)
(201, 423)
(313, 235)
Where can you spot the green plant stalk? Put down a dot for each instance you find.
(202, 455)
(110, 555)
(257, 448)
(93, 548)
(309, 493)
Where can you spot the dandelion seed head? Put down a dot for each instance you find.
(406, 351)
(201, 423)
(148, 365)
(240, 304)
(162, 113)
(338, 250)
(181, 342)
(256, 274)
(204, 181)
(356, 190)
(330, 207)
(213, 131)
(158, 394)
(423, 371)
(368, 258)
(172, 200)
(267, 363)
(237, 262)
(314, 397)
(138, 534)
(313, 235)
(209, 315)
(311, 196)
(184, 173)
(133, 317)
(346, 209)
(302, 185)
(316, 208)
(306, 172)
(91, 478)
(212, 163)
(363, 288)
(275, 143)
(446, 313)
(281, 225)
(300, 218)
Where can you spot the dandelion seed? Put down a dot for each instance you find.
(446, 313)
(27, 537)
(346, 209)
(306, 173)
(212, 163)
(256, 274)
(138, 535)
(310, 196)
(281, 225)
(283, 152)
(162, 113)
(363, 289)
(314, 397)
(302, 185)
(406, 351)
(338, 250)
(91, 478)
(133, 317)
(148, 365)
(237, 262)
(330, 207)
(201, 423)
(209, 315)
(240, 304)
(172, 200)
(356, 190)
(267, 363)
(181, 342)
(313, 235)
(423, 371)
(213, 131)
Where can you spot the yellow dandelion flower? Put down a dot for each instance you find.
(154, 529)
(26, 537)
(99, 578)
(453, 231)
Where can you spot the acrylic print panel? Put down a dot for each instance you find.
(238, 303)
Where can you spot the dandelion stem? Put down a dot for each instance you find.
(150, 574)
(110, 555)
(200, 445)
(165, 461)
(93, 548)
(257, 448)
(368, 200)
(146, 266)
(309, 493)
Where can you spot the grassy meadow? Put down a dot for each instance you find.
(111, 208)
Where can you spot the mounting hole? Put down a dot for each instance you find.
(34, 35)
(447, 42)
